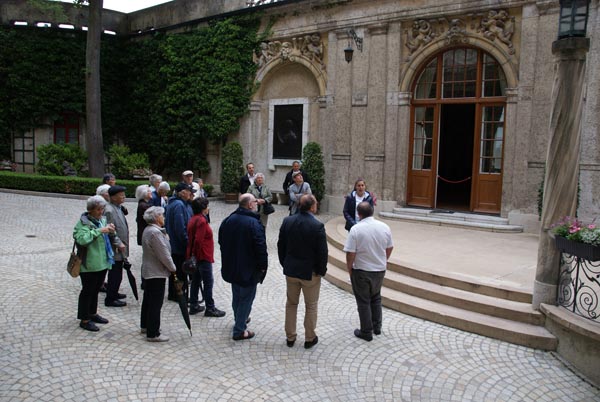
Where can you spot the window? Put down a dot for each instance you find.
(288, 130)
(66, 129)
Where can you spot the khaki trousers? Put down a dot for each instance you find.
(310, 290)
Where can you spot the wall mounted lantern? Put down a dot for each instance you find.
(573, 18)
(348, 52)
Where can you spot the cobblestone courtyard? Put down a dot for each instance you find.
(45, 356)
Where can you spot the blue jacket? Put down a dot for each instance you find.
(244, 257)
(177, 215)
(350, 208)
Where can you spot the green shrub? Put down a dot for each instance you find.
(64, 184)
(208, 188)
(123, 163)
(52, 156)
(232, 160)
(312, 164)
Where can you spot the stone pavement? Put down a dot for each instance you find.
(45, 356)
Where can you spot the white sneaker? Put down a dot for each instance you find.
(160, 338)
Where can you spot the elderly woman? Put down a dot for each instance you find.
(155, 181)
(358, 195)
(143, 194)
(157, 266)
(163, 193)
(91, 233)
(103, 191)
(263, 196)
(201, 245)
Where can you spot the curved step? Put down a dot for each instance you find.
(519, 333)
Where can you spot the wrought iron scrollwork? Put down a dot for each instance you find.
(579, 286)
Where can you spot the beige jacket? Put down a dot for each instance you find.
(156, 257)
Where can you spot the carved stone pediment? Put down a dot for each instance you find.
(493, 25)
(309, 47)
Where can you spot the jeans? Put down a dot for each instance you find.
(154, 293)
(243, 297)
(310, 290)
(203, 273)
(367, 292)
(115, 276)
(91, 282)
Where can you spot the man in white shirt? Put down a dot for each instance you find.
(188, 178)
(368, 247)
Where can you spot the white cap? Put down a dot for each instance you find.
(187, 173)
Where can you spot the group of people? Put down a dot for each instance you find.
(171, 230)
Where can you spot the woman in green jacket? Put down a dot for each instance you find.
(91, 235)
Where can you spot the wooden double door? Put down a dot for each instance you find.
(457, 133)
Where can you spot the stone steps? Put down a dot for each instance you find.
(497, 312)
(455, 219)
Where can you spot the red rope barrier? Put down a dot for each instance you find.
(453, 181)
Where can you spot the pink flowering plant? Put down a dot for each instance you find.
(573, 229)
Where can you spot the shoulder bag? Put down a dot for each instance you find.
(74, 264)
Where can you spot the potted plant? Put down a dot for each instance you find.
(573, 237)
(232, 160)
(312, 164)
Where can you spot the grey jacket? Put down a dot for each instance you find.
(115, 215)
(295, 193)
(156, 257)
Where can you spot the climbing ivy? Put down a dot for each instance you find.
(164, 95)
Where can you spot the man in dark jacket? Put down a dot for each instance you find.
(248, 179)
(302, 249)
(243, 260)
(288, 177)
(177, 215)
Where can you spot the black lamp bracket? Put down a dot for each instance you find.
(356, 38)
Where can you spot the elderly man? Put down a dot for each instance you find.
(243, 260)
(302, 249)
(296, 190)
(368, 247)
(248, 179)
(163, 191)
(177, 215)
(288, 177)
(188, 178)
(155, 181)
(120, 243)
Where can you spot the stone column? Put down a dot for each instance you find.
(562, 159)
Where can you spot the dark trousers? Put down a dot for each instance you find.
(367, 292)
(178, 261)
(204, 273)
(154, 293)
(115, 276)
(91, 282)
(242, 305)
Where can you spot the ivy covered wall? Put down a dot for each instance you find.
(163, 95)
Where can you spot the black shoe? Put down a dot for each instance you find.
(308, 345)
(248, 320)
(360, 335)
(98, 319)
(290, 344)
(121, 296)
(377, 331)
(214, 312)
(115, 303)
(196, 309)
(89, 326)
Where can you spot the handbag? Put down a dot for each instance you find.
(268, 209)
(74, 264)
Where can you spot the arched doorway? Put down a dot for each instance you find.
(457, 132)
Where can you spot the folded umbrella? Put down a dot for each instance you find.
(131, 278)
(182, 300)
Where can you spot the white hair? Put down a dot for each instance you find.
(141, 192)
(155, 178)
(102, 189)
(164, 185)
(95, 201)
(151, 214)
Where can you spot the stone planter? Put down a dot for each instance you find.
(581, 250)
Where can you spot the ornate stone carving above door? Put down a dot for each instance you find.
(309, 47)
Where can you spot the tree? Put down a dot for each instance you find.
(93, 113)
(312, 164)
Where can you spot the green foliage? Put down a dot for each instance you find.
(232, 160)
(64, 184)
(312, 164)
(123, 162)
(52, 156)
